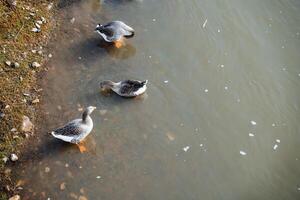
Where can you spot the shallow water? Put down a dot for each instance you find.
(210, 85)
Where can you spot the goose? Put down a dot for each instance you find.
(114, 32)
(75, 131)
(127, 88)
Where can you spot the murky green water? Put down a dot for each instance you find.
(183, 139)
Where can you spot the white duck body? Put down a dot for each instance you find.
(76, 130)
(127, 88)
(114, 31)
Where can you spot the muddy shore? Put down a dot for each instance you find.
(26, 27)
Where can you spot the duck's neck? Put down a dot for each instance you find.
(85, 116)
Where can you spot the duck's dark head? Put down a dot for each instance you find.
(87, 112)
(106, 85)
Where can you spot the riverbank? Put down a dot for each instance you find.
(25, 29)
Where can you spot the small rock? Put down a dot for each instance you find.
(27, 125)
(8, 63)
(39, 22)
(13, 157)
(13, 130)
(16, 197)
(62, 186)
(170, 136)
(37, 25)
(43, 19)
(50, 5)
(72, 20)
(16, 65)
(7, 171)
(2, 115)
(47, 169)
(5, 159)
(82, 198)
(35, 101)
(40, 52)
(50, 55)
(35, 65)
(36, 30)
(33, 51)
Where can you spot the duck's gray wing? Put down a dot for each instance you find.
(121, 28)
(130, 86)
(70, 129)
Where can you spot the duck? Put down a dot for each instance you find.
(76, 130)
(126, 88)
(115, 32)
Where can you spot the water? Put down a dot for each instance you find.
(188, 137)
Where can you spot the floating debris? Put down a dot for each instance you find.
(13, 157)
(154, 20)
(251, 134)
(273, 124)
(222, 66)
(206, 90)
(185, 149)
(166, 81)
(253, 122)
(201, 145)
(226, 88)
(219, 30)
(275, 146)
(170, 136)
(103, 112)
(277, 140)
(98, 177)
(204, 24)
(243, 153)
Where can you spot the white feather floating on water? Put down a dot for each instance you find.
(243, 153)
(185, 149)
(204, 24)
(253, 123)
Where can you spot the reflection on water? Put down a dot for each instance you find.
(192, 137)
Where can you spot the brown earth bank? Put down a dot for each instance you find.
(26, 27)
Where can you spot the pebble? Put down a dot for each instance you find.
(50, 55)
(16, 197)
(47, 169)
(39, 22)
(8, 63)
(50, 5)
(35, 101)
(62, 186)
(243, 153)
(40, 52)
(37, 25)
(185, 149)
(13, 157)
(27, 125)
(5, 159)
(72, 20)
(13, 130)
(253, 123)
(36, 30)
(82, 198)
(275, 146)
(35, 64)
(2, 115)
(251, 134)
(16, 65)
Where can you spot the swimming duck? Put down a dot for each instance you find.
(127, 88)
(114, 32)
(76, 130)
